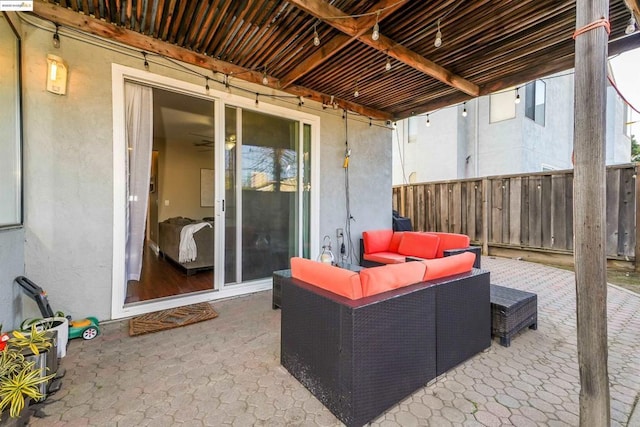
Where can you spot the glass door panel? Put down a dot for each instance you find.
(230, 190)
(269, 195)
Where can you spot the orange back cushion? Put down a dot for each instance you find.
(448, 266)
(376, 240)
(395, 241)
(451, 241)
(421, 245)
(376, 280)
(333, 279)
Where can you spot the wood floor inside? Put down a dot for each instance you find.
(162, 278)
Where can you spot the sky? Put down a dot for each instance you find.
(626, 71)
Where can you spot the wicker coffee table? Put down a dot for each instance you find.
(511, 311)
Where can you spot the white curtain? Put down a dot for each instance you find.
(139, 137)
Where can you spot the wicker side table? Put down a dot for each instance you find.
(511, 311)
(277, 286)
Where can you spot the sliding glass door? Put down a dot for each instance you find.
(266, 168)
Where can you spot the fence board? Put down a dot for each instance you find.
(626, 213)
(480, 195)
(496, 211)
(545, 212)
(569, 208)
(535, 210)
(524, 213)
(515, 204)
(558, 210)
(613, 203)
(456, 207)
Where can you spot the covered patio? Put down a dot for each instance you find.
(227, 371)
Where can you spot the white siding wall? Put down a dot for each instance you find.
(11, 266)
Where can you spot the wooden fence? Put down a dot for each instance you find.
(527, 212)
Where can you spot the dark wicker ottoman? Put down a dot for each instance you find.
(278, 276)
(511, 311)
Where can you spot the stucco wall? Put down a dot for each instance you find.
(69, 171)
(11, 266)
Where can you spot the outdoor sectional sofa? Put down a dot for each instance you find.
(380, 247)
(362, 342)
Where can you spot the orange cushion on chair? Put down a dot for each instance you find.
(376, 280)
(333, 279)
(448, 266)
(376, 240)
(395, 241)
(385, 257)
(419, 245)
(450, 241)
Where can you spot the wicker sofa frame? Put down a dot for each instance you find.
(361, 357)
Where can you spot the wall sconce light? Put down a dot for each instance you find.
(56, 75)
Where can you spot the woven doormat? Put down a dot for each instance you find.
(173, 318)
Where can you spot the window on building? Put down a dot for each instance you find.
(413, 129)
(502, 106)
(535, 101)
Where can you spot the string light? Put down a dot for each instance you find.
(356, 93)
(464, 109)
(206, 86)
(517, 100)
(316, 37)
(388, 64)
(146, 63)
(300, 101)
(375, 35)
(438, 41)
(265, 79)
(226, 83)
(428, 121)
(56, 38)
(257, 95)
(631, 27)
(370, 122)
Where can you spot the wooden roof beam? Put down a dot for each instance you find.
(322, 10)
(339, 42)
(97, 27)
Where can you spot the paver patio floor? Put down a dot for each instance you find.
(226, 371)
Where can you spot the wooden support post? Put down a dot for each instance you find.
(589, 213)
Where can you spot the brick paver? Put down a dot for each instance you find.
(227, 372)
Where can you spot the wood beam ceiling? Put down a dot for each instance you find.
(325, 12)
(339, 42)
(97, 27)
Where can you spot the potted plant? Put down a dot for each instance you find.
(20, 379)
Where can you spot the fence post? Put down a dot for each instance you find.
(485, 216)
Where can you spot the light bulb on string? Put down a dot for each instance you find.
(357, 92)
(316, 37)
(464, 110)
(146, 63)
(206, 85)
(375, 34)
(517, 100)
(257, 95)
(388, 64)
(265, 79)
(631, 27)
(56, 38)
(300, 101)
(438, 40)
(428, 121)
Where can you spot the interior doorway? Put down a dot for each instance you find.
(178, 254)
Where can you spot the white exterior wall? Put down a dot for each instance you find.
(511, 146)
(11, 266)
(69, 171)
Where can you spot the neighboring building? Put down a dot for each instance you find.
(499, 136)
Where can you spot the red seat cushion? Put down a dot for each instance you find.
(421, 245)
(448, 266)
(395, 241)
(376, 240)
(385, 257)
(333, 279)
(450, 241)
(376, 280)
